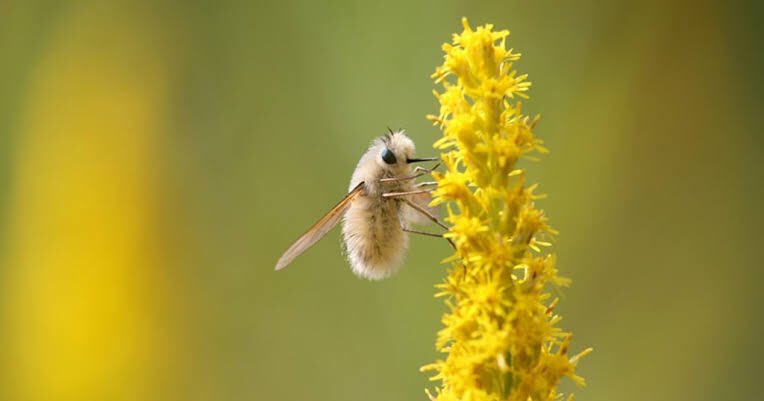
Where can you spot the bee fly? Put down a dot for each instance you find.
(383, 199)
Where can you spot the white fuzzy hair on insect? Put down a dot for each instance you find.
(383, 200)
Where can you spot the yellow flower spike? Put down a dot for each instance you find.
(500, 336)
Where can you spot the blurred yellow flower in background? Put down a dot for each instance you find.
(85, 306)
(500, 332)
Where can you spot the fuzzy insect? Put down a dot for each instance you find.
(383, 199)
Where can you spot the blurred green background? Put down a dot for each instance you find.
(157, 157)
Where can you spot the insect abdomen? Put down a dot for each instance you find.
(374, 241)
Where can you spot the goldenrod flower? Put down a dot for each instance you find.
(500, 333)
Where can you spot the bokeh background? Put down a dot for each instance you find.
(157, 157)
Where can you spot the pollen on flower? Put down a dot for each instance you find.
(500, 337)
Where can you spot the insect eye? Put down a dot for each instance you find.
(388, 156)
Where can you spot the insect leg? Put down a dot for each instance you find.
(396, 179)
(408, 230)
(426, 213)
(402, 194)
(418, 169)
(438, 222)
(426, 184)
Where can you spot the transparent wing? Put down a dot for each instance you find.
(319, 229)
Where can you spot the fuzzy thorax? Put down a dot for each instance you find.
(374, 241)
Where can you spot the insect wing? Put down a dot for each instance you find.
(319, 229)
